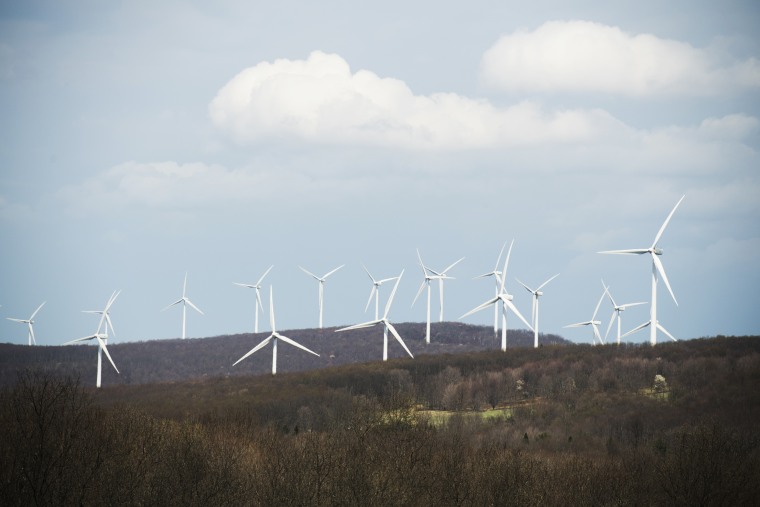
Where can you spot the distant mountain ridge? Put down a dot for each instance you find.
(177, 360)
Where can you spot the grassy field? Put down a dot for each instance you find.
(440, 418)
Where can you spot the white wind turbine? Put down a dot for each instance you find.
(616, 311)
(375, 291)
(534, 310)
(593, 322)
(101, 335)
(430, 275)
(258, 304)
(506, 303)
(274, 337)
(185, 301)
(386, 324)
(657, 267)
(30, 323)
(496, 274)
(321, 281)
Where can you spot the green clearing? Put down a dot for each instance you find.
(441, 417)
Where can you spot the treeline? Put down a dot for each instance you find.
(180, 360)
(670, 425)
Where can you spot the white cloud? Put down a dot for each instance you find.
(583, 56)
(320, 100)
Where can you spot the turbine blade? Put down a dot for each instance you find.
(369, 274)
(637, 328)
(265, 274)
(596, 310)
(258, 299)
(422, 287)
(371, 293)
(596, 332)
(517, 312)
(37, 310)
(359, 326)
(184, 286)
(506, 264)
(480, 307)
(546, 282)
(612, 321)
(16, 320)
(256, 348)
(633, 251)
(309, 273)
(333, 271)
(193, 306)
(607, 290)
(578, 324)
(498, 260)
(661, 328)
(246, 285)
(661, 269)
(393, 294)
(451, 266)
(665, 224)
(398, 338)
(271, 309)
(105, 349)
(632, 304)
(296, 344)
(526, 287)
(175, 303)
(92, 336)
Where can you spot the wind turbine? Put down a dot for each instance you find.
(105, 316)
(593, 322)
(321, 281)
(273, 338)
(616, 311)
(506, 303)
(657, 267)
(534, 311)
(386, 324)
(496, 274)
(258, 304)
(101, 336)
(185, 301)
(30, 323)
(375, 291)
(430, 275)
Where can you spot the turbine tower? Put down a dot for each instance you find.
(101, 335)
(534, 310)
(258, 304)
(375, 291)
(386, 324)
(321, 281)
(185, 302)
(616, 311)
(506, 303)
(430, 275)
(593, 322)
(497, 285)
(30, 323)
(657, 268)
(274, 337)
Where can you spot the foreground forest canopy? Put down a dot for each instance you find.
(674, 424)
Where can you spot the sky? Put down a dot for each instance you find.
(145, 140)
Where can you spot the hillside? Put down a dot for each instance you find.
(674, 424)
(179, 360)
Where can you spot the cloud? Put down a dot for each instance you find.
(583, 56)
(320, 100)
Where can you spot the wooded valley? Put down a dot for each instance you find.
(673, 424)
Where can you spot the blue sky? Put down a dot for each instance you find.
(143, 140)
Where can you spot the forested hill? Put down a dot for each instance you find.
(180, 360)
